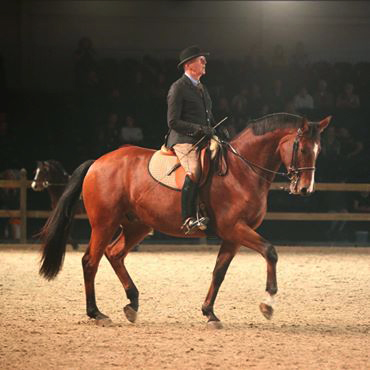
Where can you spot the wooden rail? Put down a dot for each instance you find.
(23, 214)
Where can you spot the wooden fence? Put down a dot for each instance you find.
(23, 214)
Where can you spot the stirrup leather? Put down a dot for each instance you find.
(193, 224)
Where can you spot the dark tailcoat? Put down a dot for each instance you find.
(188, 109)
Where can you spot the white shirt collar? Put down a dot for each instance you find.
(194, 81)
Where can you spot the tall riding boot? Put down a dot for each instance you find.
(188, 202)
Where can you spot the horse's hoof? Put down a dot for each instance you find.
(104, 322)
(214, 325)
(130, 313)
(266, 310)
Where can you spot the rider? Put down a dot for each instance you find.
(190, 118)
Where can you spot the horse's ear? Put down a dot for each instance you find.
(38, 163)
(324, 123)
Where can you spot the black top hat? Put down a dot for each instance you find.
(190, 53)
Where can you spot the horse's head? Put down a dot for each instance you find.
(299, 151)
(49, 173)
(41, 176)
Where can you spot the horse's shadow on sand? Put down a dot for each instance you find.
(268, 327)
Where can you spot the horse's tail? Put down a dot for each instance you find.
(55, 232)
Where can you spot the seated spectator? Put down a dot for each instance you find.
(239, 103)
(351, 152)
(84, 61)
(323, 99)
(299, 57)
(347, 99)
(278, 59)
(276, 97)
(337, 202)
(116, 102)
(239, 106)
(108, 135)
(130, 132)
(303, 101)
(351, 147)
(289, 107)
(256, 101)
(361, 204)
(330, 154)
(222, 109)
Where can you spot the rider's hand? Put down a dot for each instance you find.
(207, 131)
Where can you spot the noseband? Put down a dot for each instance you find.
(293, 173)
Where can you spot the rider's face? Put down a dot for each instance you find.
(197, 66)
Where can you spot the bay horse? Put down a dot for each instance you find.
(118, 192)
(51, 176)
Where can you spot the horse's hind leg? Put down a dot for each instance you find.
(224, 258)
(131, 235)
(100, 237)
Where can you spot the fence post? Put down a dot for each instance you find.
(23, 205)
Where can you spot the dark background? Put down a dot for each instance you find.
(56, 99)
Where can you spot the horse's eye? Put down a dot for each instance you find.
(304, 151)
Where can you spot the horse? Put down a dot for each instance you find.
(118, 192)
(50, 175)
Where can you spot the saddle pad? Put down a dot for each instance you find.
(160, 165)
(164, 160)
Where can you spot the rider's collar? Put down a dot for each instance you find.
(193, 81)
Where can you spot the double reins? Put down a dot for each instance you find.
(293, 172)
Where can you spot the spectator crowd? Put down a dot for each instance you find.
(116, 102)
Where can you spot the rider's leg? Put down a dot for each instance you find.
(191, 163)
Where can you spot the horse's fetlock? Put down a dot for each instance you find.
(207, 310)
(132, 294)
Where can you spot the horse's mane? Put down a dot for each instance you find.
(58, 166)
(271, 122)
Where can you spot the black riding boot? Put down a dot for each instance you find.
(188, 198)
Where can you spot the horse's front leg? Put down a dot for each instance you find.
(224, 258)
(250, 239)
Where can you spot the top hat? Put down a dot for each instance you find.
(190, 53)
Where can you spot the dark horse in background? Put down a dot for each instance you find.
(118, 192)
(51, 176)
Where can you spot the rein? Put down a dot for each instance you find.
(293, 172)
(46, 184)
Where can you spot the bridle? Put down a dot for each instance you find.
(45, 184)
(293, 173)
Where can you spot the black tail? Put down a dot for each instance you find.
(55, 232)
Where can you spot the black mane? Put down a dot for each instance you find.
(58, 166)
(271, 122)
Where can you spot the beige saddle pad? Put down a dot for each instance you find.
(163, 161)
(159, 167)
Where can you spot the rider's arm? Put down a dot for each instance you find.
(175, 101)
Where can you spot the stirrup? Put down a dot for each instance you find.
(193, 224)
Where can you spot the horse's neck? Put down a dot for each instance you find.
(56, 191)
(260, 149)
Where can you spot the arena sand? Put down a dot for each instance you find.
(321, 321)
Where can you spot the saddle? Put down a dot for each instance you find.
(165, 168)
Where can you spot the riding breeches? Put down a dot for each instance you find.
(189, 161)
